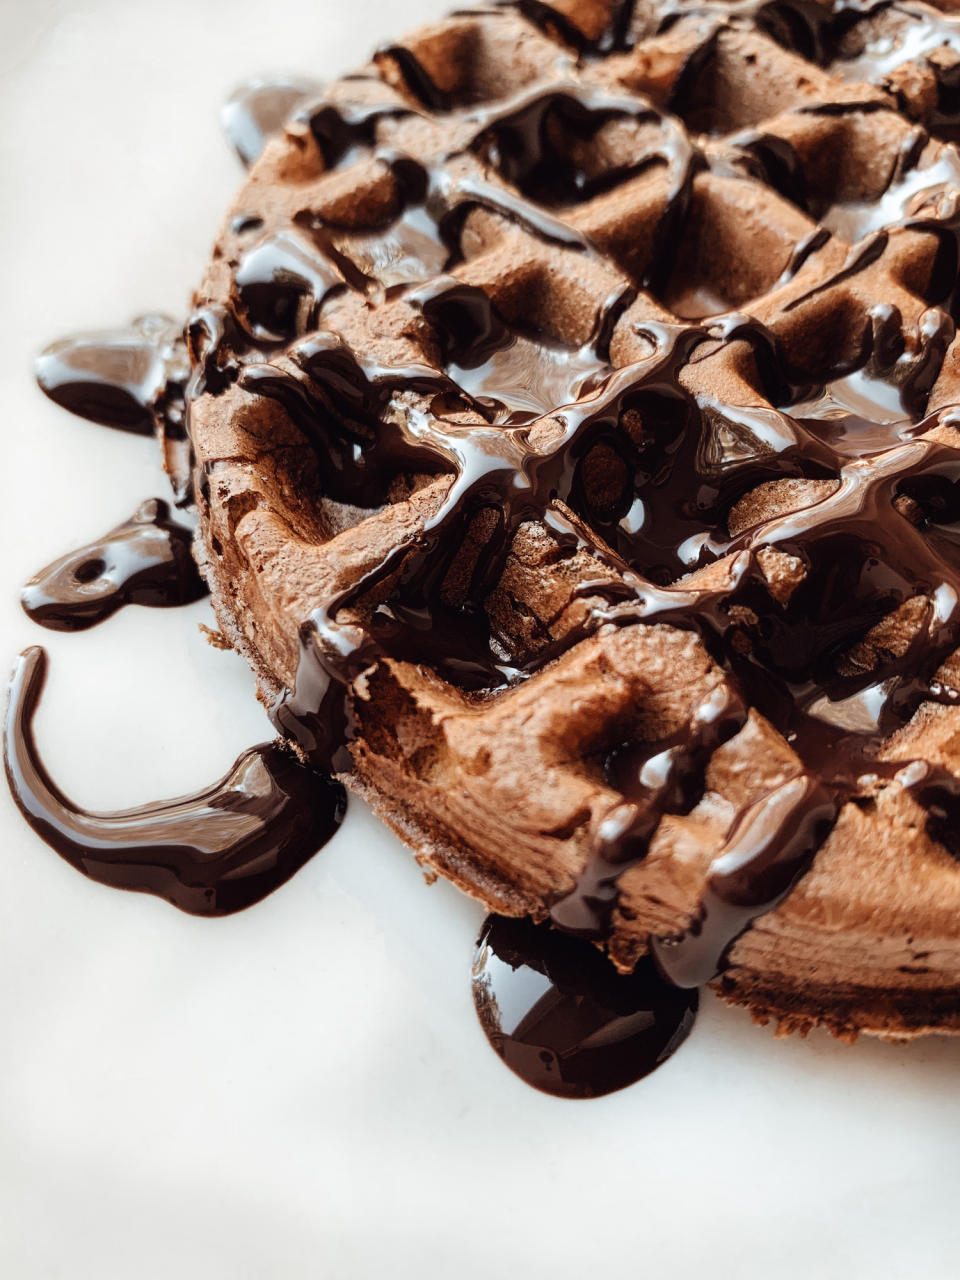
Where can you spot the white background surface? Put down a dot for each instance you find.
(303, 1090)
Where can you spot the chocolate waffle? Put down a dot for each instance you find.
(573, 446)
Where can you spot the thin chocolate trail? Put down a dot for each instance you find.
(564, 1020)
(146, 560)
(210, 854)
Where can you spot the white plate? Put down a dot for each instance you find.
(303, 1090)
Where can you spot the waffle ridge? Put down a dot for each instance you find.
(548, 249)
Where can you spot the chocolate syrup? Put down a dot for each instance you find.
(211, 853)
(883, 532)
(562, 1018)
(129, 378)
(146, 560)
(279, 283)
(771, 845)
(528, 378)
(259, 108)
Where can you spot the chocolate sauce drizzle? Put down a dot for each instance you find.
(146, 560)
(884, 534)
(863, 553)
(211, 853)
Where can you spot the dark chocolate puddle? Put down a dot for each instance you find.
(562, 1018)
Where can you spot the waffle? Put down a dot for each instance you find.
(535, 487)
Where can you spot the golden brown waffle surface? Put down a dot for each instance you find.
(572, 425)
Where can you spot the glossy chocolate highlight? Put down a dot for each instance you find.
(562, 1018)
(146, 560)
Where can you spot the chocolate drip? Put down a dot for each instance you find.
(550, 19)
(938, 792)
(533, 140)
(614, 35)
(770, 847)
(492, 465)
(145, 560)
(211, 853)
(419, 83)
(347, 130)
(533, 143)
(666, 776)
(524, 139)
(564, 1020)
